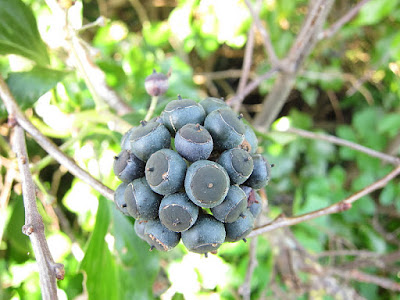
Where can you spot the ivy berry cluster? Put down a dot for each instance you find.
(191, 174)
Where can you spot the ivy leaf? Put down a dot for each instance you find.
(98, 263)
(27, 87)
(19, 34)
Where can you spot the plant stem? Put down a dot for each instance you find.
(153, 105)
(282, 221)
(14, 113)
(34, 227)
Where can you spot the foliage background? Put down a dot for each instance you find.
(349, 87)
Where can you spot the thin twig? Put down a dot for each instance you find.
(265, 36)
(368, 278)
(140, 11)
(34, 227)
(252, 86)
(360, 253)
(245, 289)
(338, 141)
(328, 33)
(15, 112)
(248, 55)
(346, 204)
(300, 50)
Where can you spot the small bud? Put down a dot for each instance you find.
(156, 84)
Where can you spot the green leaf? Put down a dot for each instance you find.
(138, 267)
(27, 87)
(19, 34)
(19, 244)
(388, 194)
(98, 263)
(156, 33)
(390, 124)
(374, 11)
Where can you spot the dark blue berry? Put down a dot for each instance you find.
(239, 229)
(254, 203)
(261, 173)
(226, 129)
(142, 203)
(250, 142)
(238, 163)
(210, 104)
(160, 237)
(139, 229)
(206, 235)
(149, 138)
(119, 198)
(193, 142)
(180, 112)
(128, 167)
(177, 212)
(165, 171)
(232, 207)
(206, 183)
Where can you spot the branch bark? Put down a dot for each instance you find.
(34, 227)
(338, 141)
(282, 221)
(15, 112)
(331, 31)
(290, 66)
(264, 33)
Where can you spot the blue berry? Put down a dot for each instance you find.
(127, 166)
(193, 142)
(206, 183)
(165, 171)
(254, 203)
(250, 142)
(261, 173)
(226, 129)
(119, 199)
(160, 237)
(210, 104)
(232, 207)
(149, 138)
(238, 163)
(177, 212)
(180, 112)
(142, 203)
(206, 235)
(239, 229)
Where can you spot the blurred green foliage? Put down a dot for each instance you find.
(103, 257)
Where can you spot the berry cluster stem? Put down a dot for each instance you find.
(152, 107)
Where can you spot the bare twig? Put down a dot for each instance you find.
(265, 36)
(338, 141)
(245, 289)
(342, 21)
(368, 278)
(282, 221)
(15, 112)
(140, 11)
(94, 77)
(360, 253)
(301, 48)
(252, 86)
(34, 227)
(248, 54)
